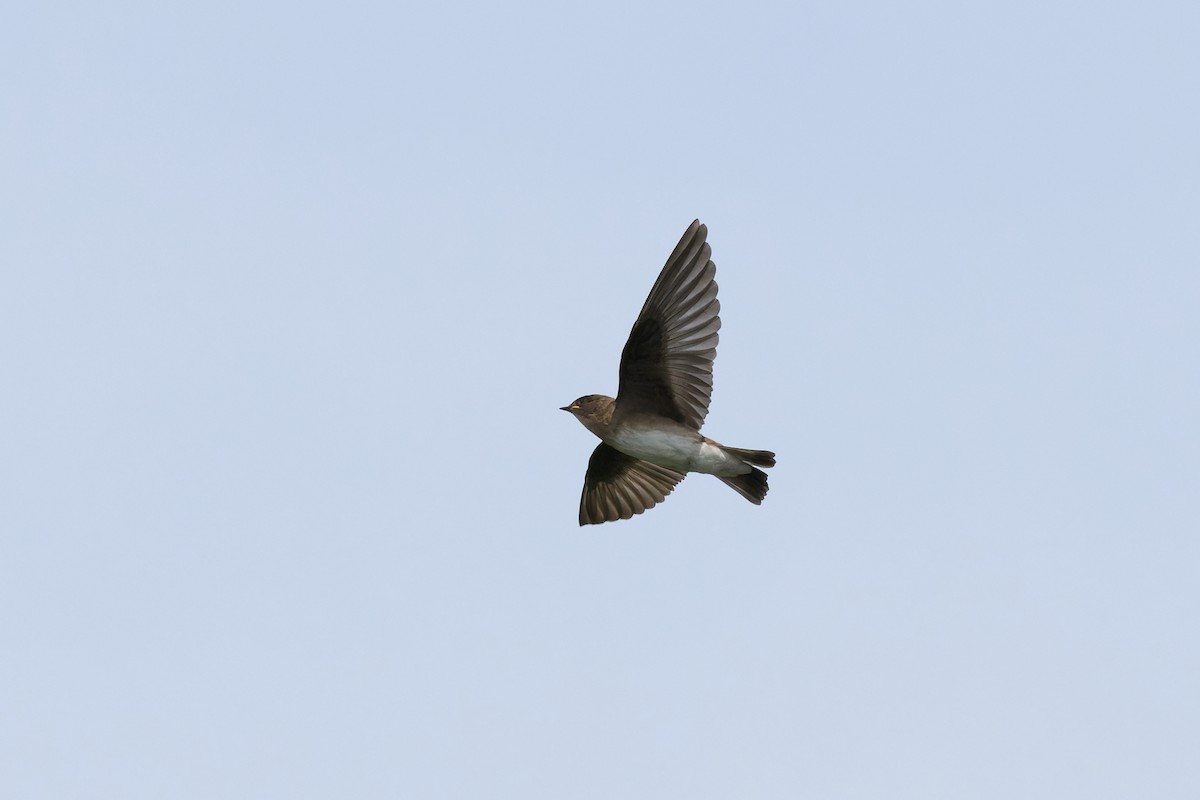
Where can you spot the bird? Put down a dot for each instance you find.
(650, 432)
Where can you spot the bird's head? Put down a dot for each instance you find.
(594, 412)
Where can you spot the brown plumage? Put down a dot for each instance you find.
(650, 433)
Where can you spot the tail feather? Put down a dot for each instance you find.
(752, 485)
(759, 458)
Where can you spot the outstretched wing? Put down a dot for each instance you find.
(666, 366)
(618, 486)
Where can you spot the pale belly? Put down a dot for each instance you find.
(680, 452)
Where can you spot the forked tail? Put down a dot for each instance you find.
(752, 485)
(759, 458)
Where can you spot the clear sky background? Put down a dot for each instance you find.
(290, 295)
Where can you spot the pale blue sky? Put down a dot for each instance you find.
(290, 296)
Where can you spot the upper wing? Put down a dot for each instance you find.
(618, 486)
(666, 366)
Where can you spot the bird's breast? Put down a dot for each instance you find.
(671, 449)
(675, 448)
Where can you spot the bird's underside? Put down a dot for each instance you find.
(649, 433)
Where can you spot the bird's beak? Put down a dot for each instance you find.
(565, 408)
